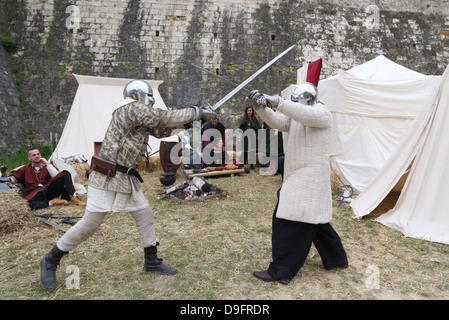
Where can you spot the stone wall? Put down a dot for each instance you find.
(162, 40)
(12, 128)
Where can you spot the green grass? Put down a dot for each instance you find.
(216, 244)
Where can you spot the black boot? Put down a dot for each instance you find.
(48, 265)
(153, 264)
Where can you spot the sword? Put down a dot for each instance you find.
(244, 83)
(219, 77)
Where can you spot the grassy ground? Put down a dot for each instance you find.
(216, 244)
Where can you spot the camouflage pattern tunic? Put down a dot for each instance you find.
(126, 140)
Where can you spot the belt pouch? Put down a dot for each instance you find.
(103, 166)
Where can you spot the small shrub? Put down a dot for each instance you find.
(9, 44)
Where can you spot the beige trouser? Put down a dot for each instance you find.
(91, 221)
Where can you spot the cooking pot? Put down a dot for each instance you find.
(168, 178)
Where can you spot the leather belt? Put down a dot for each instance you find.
(129, 172)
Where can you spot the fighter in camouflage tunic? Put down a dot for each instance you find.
(126, 139)
(124, 143)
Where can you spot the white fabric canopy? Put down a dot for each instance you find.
(91, 112)
(422, 210)
(373, 104)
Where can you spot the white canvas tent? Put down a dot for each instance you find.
(422, 210)
(374, 105)
(91, 112)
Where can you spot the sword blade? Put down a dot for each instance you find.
(218, 76)
(51, 224)
(244, 83)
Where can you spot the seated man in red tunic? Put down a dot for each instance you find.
(44, 183)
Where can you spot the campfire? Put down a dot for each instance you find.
(197, 189)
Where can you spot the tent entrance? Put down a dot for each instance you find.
(389, 202)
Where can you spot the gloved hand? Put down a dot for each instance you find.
(261, 100)
(254, 96)
(205, 113)
(271, 101)
(208, 114)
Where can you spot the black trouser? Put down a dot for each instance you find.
(291, 242)
(61, 185)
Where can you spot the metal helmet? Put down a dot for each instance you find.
(305, 93)
(139, 90)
